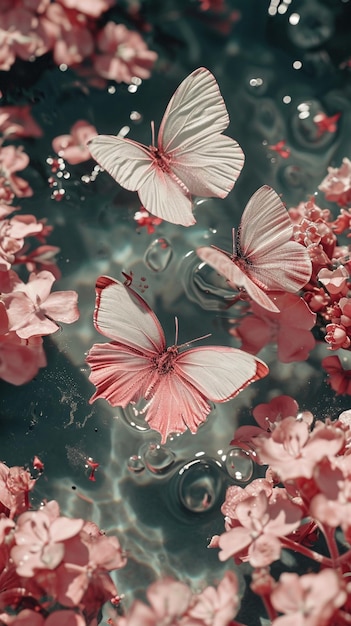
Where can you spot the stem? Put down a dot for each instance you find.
(329, 534)
(315, 556)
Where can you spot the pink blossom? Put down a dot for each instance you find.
(93, 8)
(342, 222)
(290, 329)
(73, 147)
(122, 54)
(15, 485)
(216, 607)
(336, 337)
(18, 121)
(337, 184)
(73, 40)
(28, 32)
(39, 259)
(12, 234)
(326, 124)
(144, 218)
(334, 280)
(281, 149)
(332, 505)
(20, 359)
(13, 160)
(262, 521)
(40, 541)
(309, 600)
(293, 452)
(338, 378)
(33, 310)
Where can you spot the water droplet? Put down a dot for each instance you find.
(158, 255)
(135, 418)
(203, 285)
(135, 464)
(158, 459)
(239, 465)
(200, 485)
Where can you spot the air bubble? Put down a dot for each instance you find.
(200, 485)
(157, 458)
(158, 255)
(135, 464)
(239, 465)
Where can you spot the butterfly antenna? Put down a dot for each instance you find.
(153, 134)
(233, 242)
(176, 330)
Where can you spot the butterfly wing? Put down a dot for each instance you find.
(128, 162)
(264, 241)
(226, 266)
(216, 373)
(207, 162)
(123, 370)
(124, 316)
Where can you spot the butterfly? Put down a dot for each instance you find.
(263, 258)
(137, 364)
(192, 157)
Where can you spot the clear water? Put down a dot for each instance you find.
(164, 504)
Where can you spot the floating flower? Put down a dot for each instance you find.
(338, 378)
(33, 310)
(73, 147)
(122, 54)
(337, 184)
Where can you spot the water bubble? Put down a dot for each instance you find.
(158, 255)
(312, 26)
(158, 459)
(135, 464)
(239, 465)
(203, 285)
(135, 418)
(200, 485)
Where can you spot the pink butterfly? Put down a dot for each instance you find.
(264, 258)
(138, 365)
(191, 156)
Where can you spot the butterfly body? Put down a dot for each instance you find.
(137, 365)
(191, 156)
(265, 258)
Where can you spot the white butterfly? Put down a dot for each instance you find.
(192, 157)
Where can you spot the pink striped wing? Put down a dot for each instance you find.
(125, 370)
(266, 259)
(192, 157)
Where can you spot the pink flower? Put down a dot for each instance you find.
(337, 184)
(338, 378)
(292, 451)
(18, 121)
(73, 40)
(334, 280)
(20, 359)
(332, 505)
(73, 148)
(326, 124)
(144, 218)
(281, 149)
(216, 607)
(93, 8)
(40, 539)
(12, 234)
(15, 485)
(337, 337)
(33, 310)
(290, 329)
(122, 54)
(309, 600)
(261, 521)
(13, 160)
(39, 259)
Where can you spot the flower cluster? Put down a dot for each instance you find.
(70, 29)
(54, 570)
(305, 494)
(172, 602)
(28, 311)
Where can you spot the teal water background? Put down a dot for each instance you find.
(95, 229)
